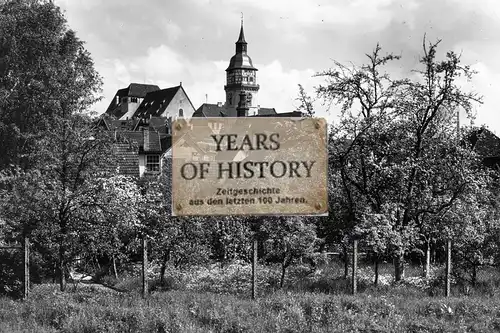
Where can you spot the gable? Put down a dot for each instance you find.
(165, 103)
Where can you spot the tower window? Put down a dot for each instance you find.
(251, 79)
(181, 113)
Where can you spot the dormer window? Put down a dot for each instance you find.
(153, 163)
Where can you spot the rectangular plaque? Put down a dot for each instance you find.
(249, 166)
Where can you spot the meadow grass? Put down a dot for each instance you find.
(101, 310)
(214, 299)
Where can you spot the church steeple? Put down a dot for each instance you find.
(241, 44)
(241, 75)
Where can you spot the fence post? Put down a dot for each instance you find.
(144, 266)
(355, 266)
(254, 269)
(448, 268)
(26, 268)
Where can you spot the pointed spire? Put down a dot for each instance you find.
(241, 38)
(241, 44)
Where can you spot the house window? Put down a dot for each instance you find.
(181, 113)
(124, 100)
(133, 99)
(152, 163)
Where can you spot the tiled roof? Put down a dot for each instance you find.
(159, 124)
(127, 159)
(141, 90)
(166, 141)
(267, 111)
(122, 124)
(294, 114)
(156, 102)
(133, 90)
(485, 143)
(213, 110)
(147, 141)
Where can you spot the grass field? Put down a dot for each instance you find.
(218, 302)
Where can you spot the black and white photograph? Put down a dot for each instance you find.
(249, 166)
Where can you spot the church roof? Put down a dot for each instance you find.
(138, 90)
(241, 38)
(241, 60)
(155, 103)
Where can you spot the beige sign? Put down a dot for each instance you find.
(249, 166)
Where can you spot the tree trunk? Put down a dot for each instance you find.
(448, 268)
(283, 272)
(399, 268)
(346, 263)
(376, 270)
(163, 267)
(355, 267)
(97, 263)
(115, 272)
(254, 268)
(144, 266)
(474, 275)
(427, 268)
(62, 275)
(26, 268)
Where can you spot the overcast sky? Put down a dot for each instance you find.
(165, 42)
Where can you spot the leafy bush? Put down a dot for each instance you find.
(11, 277)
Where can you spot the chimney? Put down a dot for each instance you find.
(219, 104)
(242, 109)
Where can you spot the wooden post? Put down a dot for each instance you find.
(427, 269)
(448, 267)
(254, 269)
(376, 269)
(26, 268)
(144, 266)
(355, 266)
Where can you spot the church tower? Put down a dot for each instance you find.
(241, 76)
